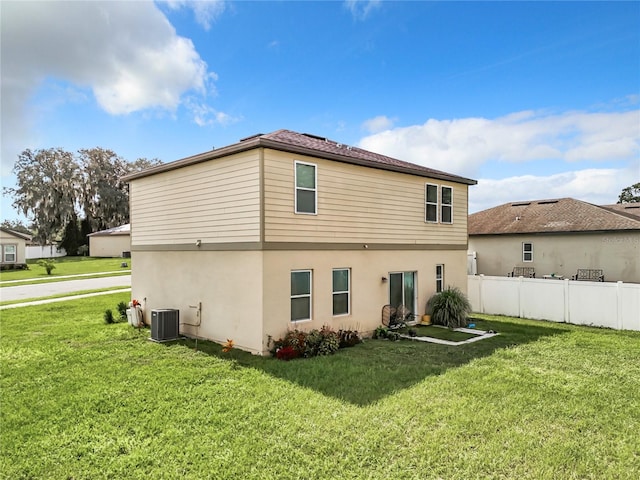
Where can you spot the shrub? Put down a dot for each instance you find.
(348, 338)
(300, 344)
(108, 316)
(330, 342)
(449, 308)
(48, 265)
(122, 310)
(380, 332)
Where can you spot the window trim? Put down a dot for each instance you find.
(14, 253)
(439, 277)
(530, 251)
(341, 292)
(443, 205)
(296, 188)
(426, 202)
(309, 295)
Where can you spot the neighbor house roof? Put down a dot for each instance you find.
(549, 216)
(21, 235)
(310, 145)
(630, 209)
(120, 230)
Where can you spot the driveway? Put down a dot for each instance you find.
(22, 292)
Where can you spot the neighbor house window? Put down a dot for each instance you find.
(527, 252)
(300, 295)
(431, 203)
(439, 278)
(341, 291)
(306, 188)
(447, 205)
(9, 253)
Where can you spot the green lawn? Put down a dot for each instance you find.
(65, 266)
(85, 400)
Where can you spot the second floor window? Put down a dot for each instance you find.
(306, 188)
(431, 200)
(527, 252)
(447, 205)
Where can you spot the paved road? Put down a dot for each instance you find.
(22, 292)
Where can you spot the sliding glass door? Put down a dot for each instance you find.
(402, 290)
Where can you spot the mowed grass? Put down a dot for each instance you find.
(65, 266)
(85, 400)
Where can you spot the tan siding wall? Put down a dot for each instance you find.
(216, 201)
(356, 204)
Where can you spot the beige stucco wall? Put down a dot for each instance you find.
(245, 295)
(20, 243)
(109, 245)
(617, 253)
(356, 204)
(227, 285)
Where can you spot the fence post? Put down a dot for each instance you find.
(520, 280)
(619, 305)
(567, 319)
(480, 293)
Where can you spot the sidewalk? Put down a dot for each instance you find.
(62, 299)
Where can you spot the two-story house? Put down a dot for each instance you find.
(288, 230)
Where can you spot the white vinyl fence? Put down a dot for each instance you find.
(46, 251)
(602, 304)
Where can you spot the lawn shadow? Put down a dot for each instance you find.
(374, 369)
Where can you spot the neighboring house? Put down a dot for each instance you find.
(113, 242)
(557, 237)
(287, 230)
(12, 247)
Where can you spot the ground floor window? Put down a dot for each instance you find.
(341, 291)
(402, 289)
(9, 253)
(439, 278)
(301, 295)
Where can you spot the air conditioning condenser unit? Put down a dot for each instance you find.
(165, 324)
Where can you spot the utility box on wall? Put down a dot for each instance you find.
(165, 324)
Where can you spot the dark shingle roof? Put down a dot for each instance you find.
(311, 145)
(631, 210)
(21, 235)
(548, 216)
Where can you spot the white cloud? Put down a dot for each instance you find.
(126, 53)
(360, 9)
(205, 11)
(463, 145)
(574, 141)
(378, 124)
(600, 186)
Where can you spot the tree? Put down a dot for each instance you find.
(47, 190)
(55, 187)
(71, 238)
(104, 197)
(630, 194)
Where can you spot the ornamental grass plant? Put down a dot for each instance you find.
(449, 307)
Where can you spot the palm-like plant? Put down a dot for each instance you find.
(449, 307)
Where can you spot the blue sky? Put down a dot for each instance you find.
(533, 99)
